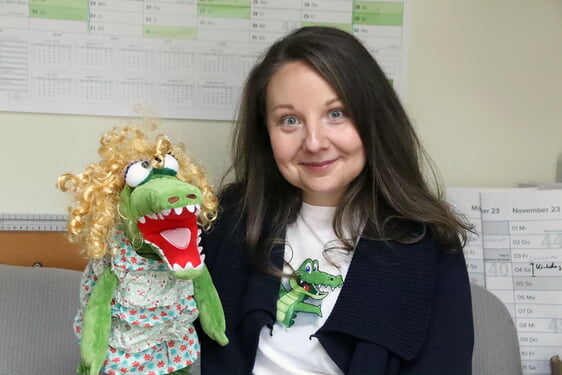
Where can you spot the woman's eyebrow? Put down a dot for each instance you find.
(282, 106)
(332, 101)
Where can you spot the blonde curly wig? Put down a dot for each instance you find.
(96, 190)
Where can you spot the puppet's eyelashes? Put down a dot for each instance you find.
(171, 162)
(137, 172)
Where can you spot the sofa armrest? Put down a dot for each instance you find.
(37, 309)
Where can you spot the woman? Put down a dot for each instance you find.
(332, 255)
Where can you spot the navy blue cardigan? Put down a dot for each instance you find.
(403, 309)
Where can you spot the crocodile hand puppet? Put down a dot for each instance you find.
(139, 214)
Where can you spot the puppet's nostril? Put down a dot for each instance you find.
(191, 196)
(173, 199)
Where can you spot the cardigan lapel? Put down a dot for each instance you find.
(393, 284)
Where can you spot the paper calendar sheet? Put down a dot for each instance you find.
(517, 255)
(177, 58)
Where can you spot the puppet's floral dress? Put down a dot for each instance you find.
(152, 314)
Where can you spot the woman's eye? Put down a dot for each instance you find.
(171, 162)
(336, 114)
(289, 120)
(137, 172)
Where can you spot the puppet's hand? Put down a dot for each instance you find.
(211, 314)
(97, 325)
(90, 369)
(217, 334)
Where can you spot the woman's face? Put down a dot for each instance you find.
(315, 144)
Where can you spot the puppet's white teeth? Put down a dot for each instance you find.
(166, 211)
(142, 220)
(191, 208)
(188, 266)
(160, 216)
(177, 267)
(178, 210)
(197, 209)
(323, 288)
(153, 216)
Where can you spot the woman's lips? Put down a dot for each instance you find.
(320, 164)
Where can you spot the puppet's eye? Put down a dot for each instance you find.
(137, 173)
(171, 162)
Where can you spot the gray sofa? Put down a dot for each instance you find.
(37, 307)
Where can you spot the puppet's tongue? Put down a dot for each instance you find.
(177, 237)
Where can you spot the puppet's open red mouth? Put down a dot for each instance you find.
(175, 235)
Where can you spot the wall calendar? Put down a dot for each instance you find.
(182, 58)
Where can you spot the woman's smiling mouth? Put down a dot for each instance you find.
(319, 164)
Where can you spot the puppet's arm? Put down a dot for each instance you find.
(97, 324)
(211, 314)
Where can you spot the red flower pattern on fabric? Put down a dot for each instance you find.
(167, 356)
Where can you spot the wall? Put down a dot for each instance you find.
(485, 88)
(484, 91)
(38, 148)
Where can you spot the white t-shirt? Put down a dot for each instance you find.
(288, 348)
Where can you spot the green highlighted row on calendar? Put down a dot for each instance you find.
(338, 13)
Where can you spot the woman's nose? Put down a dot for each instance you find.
(316, 137)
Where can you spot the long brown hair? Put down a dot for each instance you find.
(391, 197)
